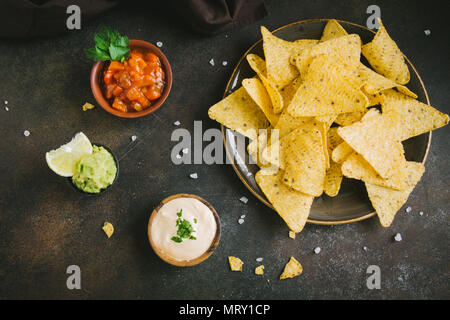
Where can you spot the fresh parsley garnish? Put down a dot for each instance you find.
(109, 45)
(185, 229)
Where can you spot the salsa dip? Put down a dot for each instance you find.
(183, 230)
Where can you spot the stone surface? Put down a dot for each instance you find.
(45, 226)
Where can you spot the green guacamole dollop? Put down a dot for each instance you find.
(95, 171)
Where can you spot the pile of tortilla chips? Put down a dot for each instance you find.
(326, 115)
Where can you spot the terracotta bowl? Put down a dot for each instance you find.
(185, 263)
(96, 82)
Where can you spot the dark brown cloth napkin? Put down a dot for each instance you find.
(32, 18)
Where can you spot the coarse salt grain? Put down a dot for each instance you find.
(241, 221)
(243, 199)
(185, 150)
(6, 101)
(398, 237)
(133, 138)
(259, 259)
(317, 250)
(421, 213)
(193, 175)
(427, 32)
(6, 108)
(26, 133)
(243, 216)
(211, 62)
(365, 248)
(408, 209)
(224, 63)
(177, 123)
(159, 44)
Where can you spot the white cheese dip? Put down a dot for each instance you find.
(164, 228)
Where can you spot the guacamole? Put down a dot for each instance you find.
(95, 171)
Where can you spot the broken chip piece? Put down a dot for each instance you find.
(259, 270)
(235, 263)
(108, 228)
(292, 269)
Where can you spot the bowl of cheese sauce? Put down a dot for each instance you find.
(184, 230)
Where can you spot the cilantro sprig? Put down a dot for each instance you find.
(185, 229)
(109, 45)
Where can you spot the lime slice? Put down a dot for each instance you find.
(63, 160)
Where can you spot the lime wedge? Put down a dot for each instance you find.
(64, 159)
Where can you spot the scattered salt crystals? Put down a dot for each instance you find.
(133, 138)
(211, 62)
(427, 32)
(365, 248)
(317, 250)
(159, 44)
(408, 209)
(178, 156)
(6, 101)
(185, 150)
(193, 175)
(177, 123)
(224, 63)
(241, 221)
(398, 237)
(26, 133)
(243, 199)
(259, 259)
(6, 108)
(421, 213)
(243, 216)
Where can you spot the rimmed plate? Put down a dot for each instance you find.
(352, 203)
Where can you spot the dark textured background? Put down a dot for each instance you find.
(45, 226)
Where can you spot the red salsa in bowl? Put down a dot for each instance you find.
(132, 85)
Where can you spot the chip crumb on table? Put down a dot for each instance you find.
(235, 263)
(259, 270)
(108, 228)
(292, 234)
(87, 106)
(292, 269)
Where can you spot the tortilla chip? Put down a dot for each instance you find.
(235, 263)
(356, 167)
(416, 117)
(259, 94)
(332, 30)
(323, 128)
(287, 123)
(333, 176)
(277, 53)
(344, 50)
(385, 57)
(239, 112)
(259, 270)
(376, 138)
(256, 147)
(108, 228)
(346, 119)
(386, 201)
(292, 206)
(305, 162)
(341, 152)
(326, 92)
(288, 92)
(373, 82)
(259, 66)
(292, 269)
